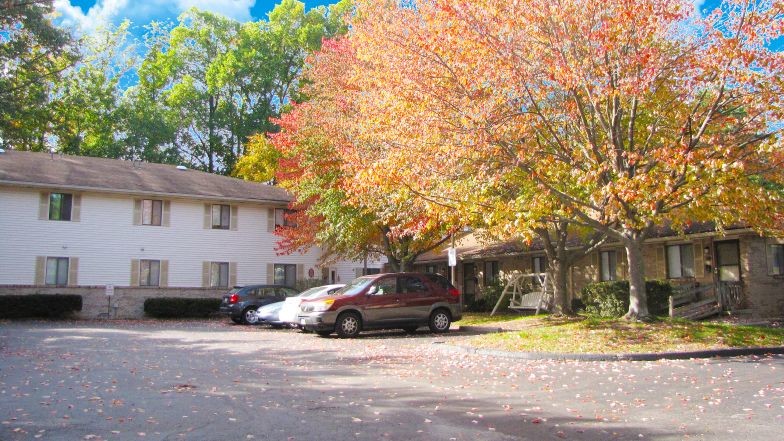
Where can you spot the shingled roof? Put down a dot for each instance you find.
(43, 170)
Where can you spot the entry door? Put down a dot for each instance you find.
(469, 282)
(728, 261)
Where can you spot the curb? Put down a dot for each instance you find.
(710, 353)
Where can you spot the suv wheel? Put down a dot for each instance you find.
(249, 316)
(439, 321)
(348, 325)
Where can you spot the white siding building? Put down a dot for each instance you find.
(72, 221)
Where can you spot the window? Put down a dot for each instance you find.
(608, 265)
(411, 284)
(57, 271)
(219, 274)
(149, 272)
(776, 259)
(491, 272)
(151, 212)
(221, 217)
(285, 274)
(386, 286)
(680, 261)
(60, 206)
(538, 266)
(283, 218)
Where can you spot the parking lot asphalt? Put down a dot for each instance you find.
(212, 380)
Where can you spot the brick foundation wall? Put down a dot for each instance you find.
(127, 302)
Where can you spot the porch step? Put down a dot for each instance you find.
(698, 310)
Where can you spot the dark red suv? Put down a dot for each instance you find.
(384, 301)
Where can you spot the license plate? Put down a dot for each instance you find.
(302, 322)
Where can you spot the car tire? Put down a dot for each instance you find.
(440, 320)
(348, 325)
(249, 316)
(410, 329)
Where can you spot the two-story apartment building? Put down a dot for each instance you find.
(79, 224)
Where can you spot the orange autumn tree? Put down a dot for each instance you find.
(310, 166)
(621, 114)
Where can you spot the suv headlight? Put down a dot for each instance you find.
(320, 306)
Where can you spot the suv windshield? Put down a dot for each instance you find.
(353, 287)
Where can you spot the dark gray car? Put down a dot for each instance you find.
(241, 303)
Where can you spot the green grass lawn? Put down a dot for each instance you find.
(593, 335)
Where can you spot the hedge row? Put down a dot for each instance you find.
(175, 307)
(611, 299)
(39, 305)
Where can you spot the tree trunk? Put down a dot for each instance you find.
(638, 298)
(558, 263)
(559, 271)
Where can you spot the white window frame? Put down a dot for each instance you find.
(56, 278)
(60, 213)
(775, 252)
(284, 280)
(608, 265)
(223, 213)
(677, 266)
(152, 212)
(153, 272)
(217, 274)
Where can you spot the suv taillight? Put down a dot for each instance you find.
(234, 298)
(454, 292)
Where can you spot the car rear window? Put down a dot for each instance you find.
(439, 280)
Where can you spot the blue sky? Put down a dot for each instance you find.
(85, 15)
(88, 14)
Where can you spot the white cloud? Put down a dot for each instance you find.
(142, 12)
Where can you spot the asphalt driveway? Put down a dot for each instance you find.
(217, 381)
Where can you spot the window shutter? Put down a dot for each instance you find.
(40, 270)
(300, 272)
(134, 272)
(661, 269)
(232, 274)
(595, 266)
(73, 271)
(163, 278)
(207, 217)
(166, 216)
(137, 211)
(233, 219)
(76, 208)
(270, 219)
(699, 265)
(43, 206)
(205, 274)
(358, 272)
(270, 273)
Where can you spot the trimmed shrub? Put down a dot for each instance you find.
(177, 307)
(39, 305)
(611, 299)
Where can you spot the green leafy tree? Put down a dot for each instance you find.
(33, 53)
(86, 118)
(219, 82)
